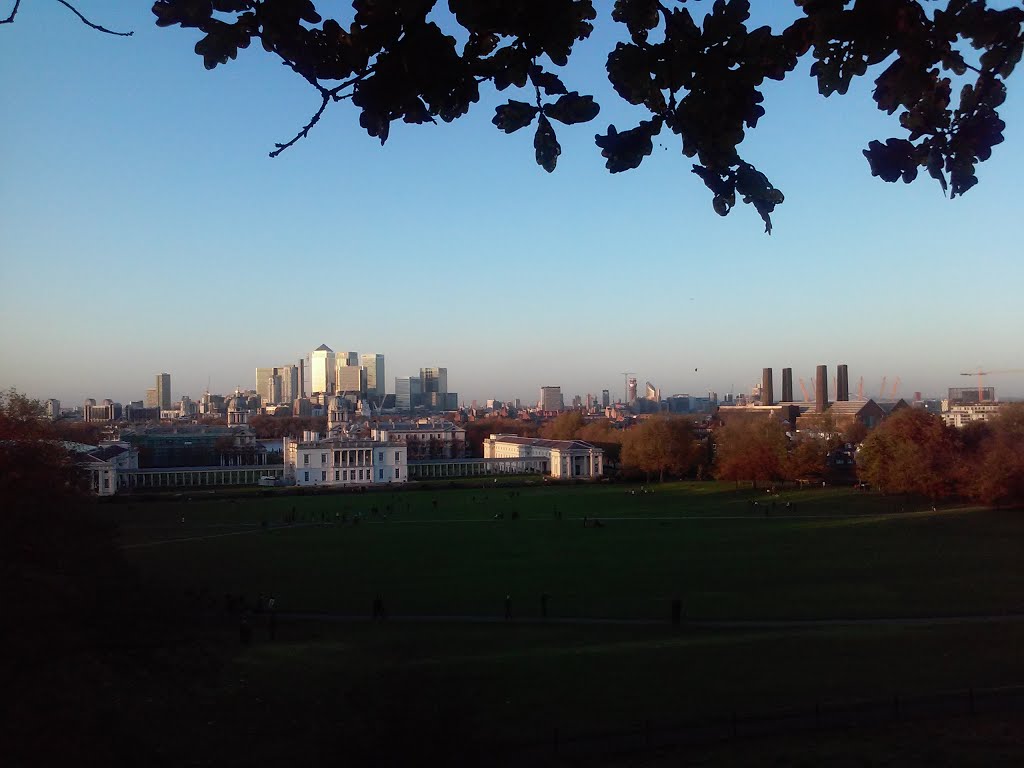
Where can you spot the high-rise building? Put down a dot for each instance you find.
(434, 380)
(151, 398)
(631, 390)
(373, 364)
(606, 398)
(351, 380)
(163, 391)
(408, 393)
(277, 385)
(52, 408)
(551, 399)
(322, 373)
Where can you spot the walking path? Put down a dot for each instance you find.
(251, 528)
(897, 621)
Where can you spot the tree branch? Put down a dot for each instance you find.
(84, 20)
(326, 98)
(14, 12)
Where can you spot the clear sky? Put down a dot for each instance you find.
(144, 229)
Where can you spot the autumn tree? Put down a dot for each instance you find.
(662, 445)
(750, 450)
(807, 459)
(565, 426)
(993, 472)
(695, 73)
(479, 430)
(911, 452)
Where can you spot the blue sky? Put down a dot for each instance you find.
(144, 229)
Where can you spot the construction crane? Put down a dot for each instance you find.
(881, 390)
(982, 374)
(860, 388)
(625, 391)
(803, 388)
(896, 387)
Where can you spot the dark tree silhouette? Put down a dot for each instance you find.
(698, 78)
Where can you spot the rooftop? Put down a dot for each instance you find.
(539, 442)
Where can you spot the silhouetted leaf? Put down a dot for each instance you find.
(892, 160)
(546, 145)
(546, 81)
(626, 150)
(514, 115)
(572, 108)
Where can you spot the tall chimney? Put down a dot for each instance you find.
(821, 389)
(842, 383)
(787, 385)
(767, 393)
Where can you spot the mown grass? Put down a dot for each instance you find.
(833, 554)
(395, 692)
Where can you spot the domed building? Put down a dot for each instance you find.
(238, 411)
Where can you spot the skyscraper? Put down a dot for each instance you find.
(163, 391)
(606, 398)
(322, 370)
(408, 393)
(351, 380)
(373, 364)
(434, 380)
(278, 385)
(551, 399)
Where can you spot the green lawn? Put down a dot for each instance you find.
(324, 690)
(833, 554)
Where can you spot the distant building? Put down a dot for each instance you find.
(970, 395)
(151, 398)
(344, 462)
(322, 363)
(566, 458)
(425, 438)
(103, 465)
(163, 391)
(52, 408)
(351, 380)
(279, 384)
(962, 415)
(106, 411)
(606, 398)
(373, 365)
(551, 399)
(678, 403)
(408, 393)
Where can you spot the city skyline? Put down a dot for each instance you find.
(511, 278)
(614, 383)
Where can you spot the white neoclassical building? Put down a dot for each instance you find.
(567, 459)
(344, 461)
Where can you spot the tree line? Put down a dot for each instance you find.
(912, 452)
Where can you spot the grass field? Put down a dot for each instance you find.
(832, 554)
(325, 687)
